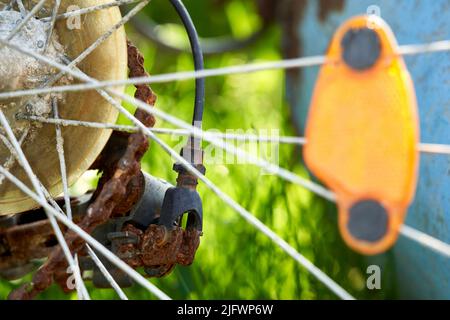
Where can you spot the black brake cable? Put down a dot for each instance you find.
(198, 60)
(185, 195)
(193, 152)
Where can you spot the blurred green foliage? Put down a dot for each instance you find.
(235, 261)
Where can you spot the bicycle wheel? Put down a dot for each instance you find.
(30, 166)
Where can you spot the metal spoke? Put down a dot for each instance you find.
(249, 217)
(52, 23)
(426, 240)
(62, 162)
(21, 158)
(422, 147)
(87, 10)
(21, 7)
(238, 69)
(85, 236)
(9, 5)
(283, 173)
(217, 139)
(98, 41)
(80, 287)
(106, 274)
(179, 132)
(25, 20)
(92, 254)
(77, 123)
(434, 148)
(9, 163)
(415, 49)
(195, 131)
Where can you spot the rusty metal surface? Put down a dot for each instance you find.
(111, 192)
(22, 243)
(160, 249)
(119, 190)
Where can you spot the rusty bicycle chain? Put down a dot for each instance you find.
(118, 191)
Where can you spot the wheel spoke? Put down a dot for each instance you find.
(21, 158)
(249, 217)
(259, 162)
(63, 169)
(92, 254)
(86, 237)
(52, 23)
(98, 42)
(62, 160)
(106, 274)
(25, 20)
(83, 293)
(87, 10)
(104, 88)
(9, 163)
(434, 148)
(194, 131)
(180, 132)
(21, 7)
(423, 147)
(283, 173)
(426, 240)
(438, 46)
(8, 6)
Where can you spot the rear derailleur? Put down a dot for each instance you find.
(150, 235)
(135, 215)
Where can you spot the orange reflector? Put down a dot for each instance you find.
(362, 133)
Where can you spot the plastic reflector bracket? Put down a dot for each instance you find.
(362, 133)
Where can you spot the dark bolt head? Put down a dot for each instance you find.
(361, 48)
(368, 221)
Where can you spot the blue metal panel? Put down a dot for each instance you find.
(421, 273)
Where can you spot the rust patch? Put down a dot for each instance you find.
(112, 189)
(160, 249)
(22, 243)
(157, 249)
